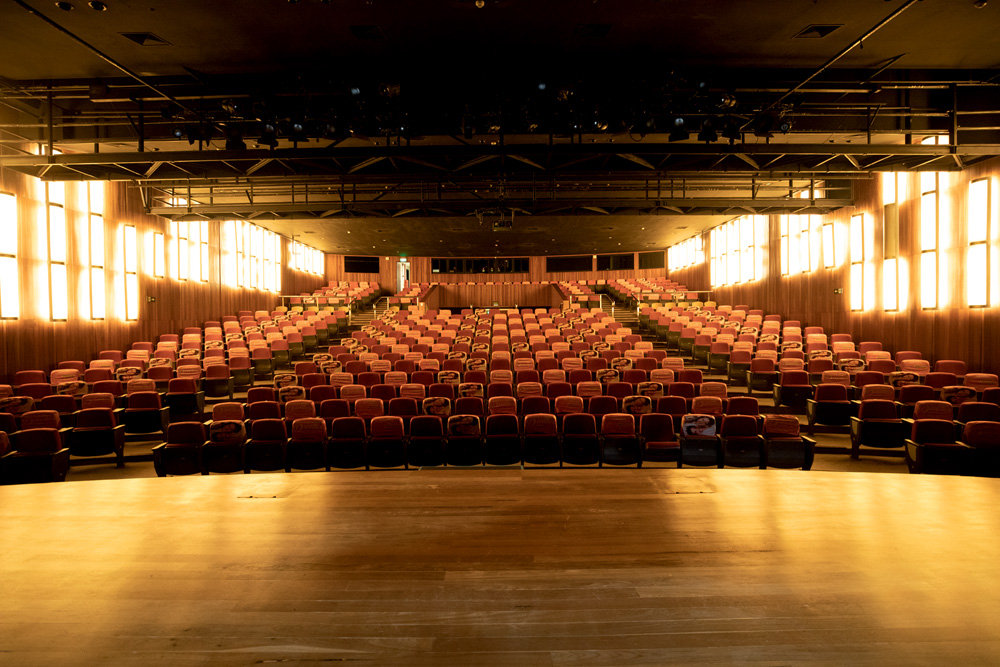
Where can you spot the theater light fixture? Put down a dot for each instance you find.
(731, 130)
(268, 135)
(679, 131)
(708, 133)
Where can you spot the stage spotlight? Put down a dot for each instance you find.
(268, 135)
(679, 131)
(784, 125)
(731, 130)
(708, 133)
(234, 139)
(763, 124)
(727, 101)
(178, 132)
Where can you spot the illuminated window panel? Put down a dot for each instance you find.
(783, 223)
(857, 262)
(97, 287)
(98, 306)
(159, 264)
(57, 234)
(928, 279)
(829, 255)
(928, 221)
(890, 285)
(131, 273)
(58, 288)
(10, 306)
(96, 196)
(183, 250)
(977, 266)
(977, 275)
(58, 293)
(203, 266)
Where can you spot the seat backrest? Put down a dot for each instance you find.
(708, 405)
(918, 366)
(697, 424)
(40, 419)
(464, 425)
(502, 405)
(369, 408)
(568, 405)
(309, 429)
(978, 411)
(299, 409)
(743, 405)
(718, 389)
(227, 411)
(269, 429)
(227, 431)
(982, 433)
(738, 426)
(830, 392)
(386, 427)
(618, 424)
(981, 381)
(878, 391)
(836, 377)
(937, 431)
(652, 389)
(580, 424)
(781, 426)
(955, 366)
(933, 410)
(540, 425)
(437, 406)
(877, 408)
(657, 427)
(191, 433)
(102, 417)
(637, 405)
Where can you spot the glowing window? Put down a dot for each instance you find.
(977, 268)
(10, 306)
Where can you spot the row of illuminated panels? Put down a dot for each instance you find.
(75, 260)
(879, 276)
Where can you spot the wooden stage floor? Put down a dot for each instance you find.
(503, 567)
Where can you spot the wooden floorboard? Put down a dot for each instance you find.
(503, 567)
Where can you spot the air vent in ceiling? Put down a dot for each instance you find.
(145, 38)
(367, 32)
(817, 31)
(592, 30)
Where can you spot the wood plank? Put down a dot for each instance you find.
(487, 567)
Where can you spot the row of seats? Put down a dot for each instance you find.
(309, 443)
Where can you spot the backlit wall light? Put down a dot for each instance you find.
(10, 306)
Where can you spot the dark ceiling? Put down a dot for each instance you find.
(387, 126)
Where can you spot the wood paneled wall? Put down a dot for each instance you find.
(35, 342)
(952, 331)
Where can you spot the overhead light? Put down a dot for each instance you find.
(763, 124)
(268, 135)
(727, 101)
(98, 6)
(708, 133)
(679, 131)
(65, 6)
(234, 139)
(731, 130)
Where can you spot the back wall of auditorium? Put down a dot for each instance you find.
(915, 264)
